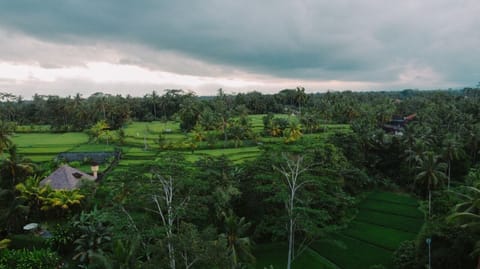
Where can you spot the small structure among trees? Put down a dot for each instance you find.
(397, 124)
(66, 178)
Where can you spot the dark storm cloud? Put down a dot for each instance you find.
(372, 40)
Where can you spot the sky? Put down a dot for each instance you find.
(64, 47)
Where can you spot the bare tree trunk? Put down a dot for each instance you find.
(224, 123)
(449, 168)
(155, 110)
(429, 203)
(167, 215)
(291, 172)
(291, 229)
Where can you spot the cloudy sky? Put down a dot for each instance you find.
(119, 46)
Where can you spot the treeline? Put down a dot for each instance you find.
(76, 113)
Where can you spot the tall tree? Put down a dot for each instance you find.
(168, 209)
(431, 174)
(238, 245)
(222, 107)
(14, 168)
(467, 213)
(6, 129)
(451, 150)
(291, 171)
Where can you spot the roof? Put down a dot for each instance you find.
(65, 177)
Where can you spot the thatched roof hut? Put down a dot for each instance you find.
(65, 178)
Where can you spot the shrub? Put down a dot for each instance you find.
(405, 256)
(27, 241)
(63, 237)
(28, 259)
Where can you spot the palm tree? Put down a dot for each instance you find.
(15, 167)
(474, 141)
(6, 130)
(300, 97)
(98, 129)
(416, 148)
(13, 212)
(452, 150)
(294, 131)
(238, 245)
(467, 214)
(431, 174)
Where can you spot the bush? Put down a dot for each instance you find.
(28, 259)
(63, 237)
(405, 256)
(356, 181)
(27, 241)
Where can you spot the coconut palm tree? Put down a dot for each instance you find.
(431, 174)
(467, 214)
(15, 168)
(451, 150)
(474, 141)
(6, 130)
(294, 131)
(238, 245)
(13, 211)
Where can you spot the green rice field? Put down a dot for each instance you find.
(384, 221)
(141, 142)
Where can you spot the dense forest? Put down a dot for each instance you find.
(213, 212)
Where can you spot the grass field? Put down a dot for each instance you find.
(384, 221)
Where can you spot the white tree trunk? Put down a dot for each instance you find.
(167, 215)
(449, 168)
(291, 173)
(429, 203)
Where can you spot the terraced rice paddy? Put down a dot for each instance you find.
(41, 147)
(141, 145)
(384, 221)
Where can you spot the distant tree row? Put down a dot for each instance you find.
(76, 113)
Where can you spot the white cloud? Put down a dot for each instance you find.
(252, 45)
